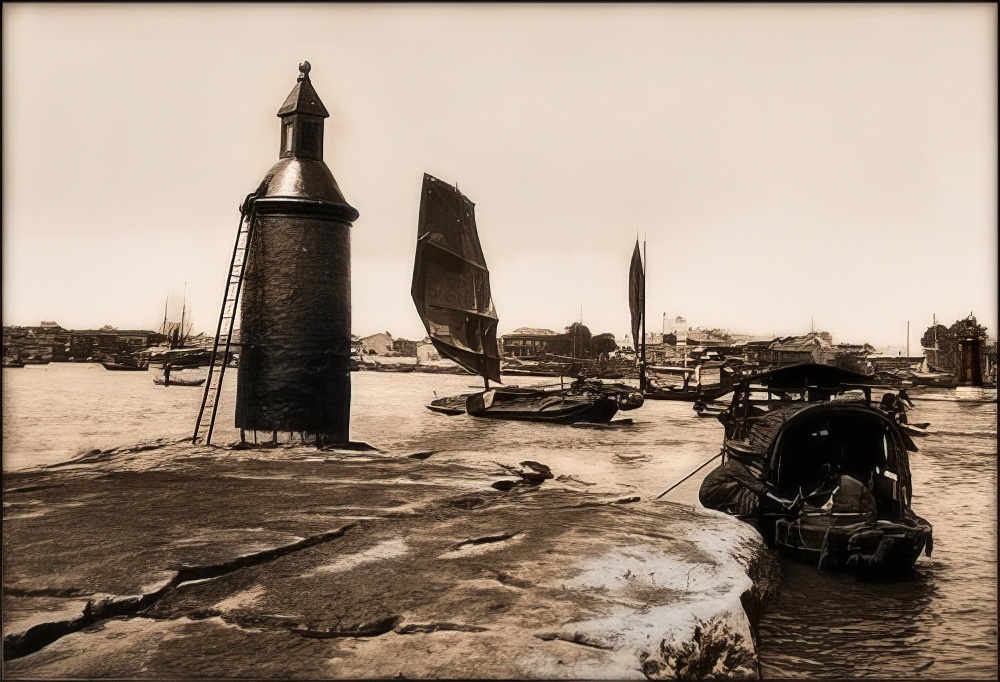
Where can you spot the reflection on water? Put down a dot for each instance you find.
(940, 622)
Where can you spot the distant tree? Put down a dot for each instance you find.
(947, 341)
(603, 343)
(579, 340)
(941, 338)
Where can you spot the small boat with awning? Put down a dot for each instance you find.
(820, 471)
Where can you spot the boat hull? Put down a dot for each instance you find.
(689, 395)
(880, 546)
(117, 367)
(178, 382)
(451, 405)
(541, 407)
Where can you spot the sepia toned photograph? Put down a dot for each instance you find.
(582, 341)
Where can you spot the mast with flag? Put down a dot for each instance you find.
(637, 306)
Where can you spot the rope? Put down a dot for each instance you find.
(689, 475)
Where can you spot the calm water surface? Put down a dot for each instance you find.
(941, 622)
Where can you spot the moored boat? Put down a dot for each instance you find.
(125, 366)
(825, 478)
(179, 357)
(178, 381)
(450, 405)
(451, 291)
(700, 382)
(531, 405)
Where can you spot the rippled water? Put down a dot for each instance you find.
(941, 622)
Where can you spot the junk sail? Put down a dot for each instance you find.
(451, 284)
(636, 295)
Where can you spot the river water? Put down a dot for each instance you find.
(941, 622)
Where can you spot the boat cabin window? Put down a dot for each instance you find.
(849, 442)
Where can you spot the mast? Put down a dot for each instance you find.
(475, 305)
(642, 351)
(183, 336)
(934, 327)
(163, 327)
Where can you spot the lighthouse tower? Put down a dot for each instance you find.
(294, 382)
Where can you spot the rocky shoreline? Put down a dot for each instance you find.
(172, 560)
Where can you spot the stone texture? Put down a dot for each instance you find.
(181, 560)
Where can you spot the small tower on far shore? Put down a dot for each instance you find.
(294, 382)
(970, 366)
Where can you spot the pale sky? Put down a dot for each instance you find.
(784, 163)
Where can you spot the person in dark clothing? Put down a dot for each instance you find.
(894, 404)
(166, 374)
(736, 488)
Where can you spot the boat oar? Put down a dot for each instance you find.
(714, 457)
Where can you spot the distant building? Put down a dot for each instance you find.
(425, 351)
(756, 350)
(110, 342)
(680, 331)
(854, 357)
(376, 344)
(706, 337)
(890, 363)
(794, 349)
(405, 347)
(527, 342)
(49, 341)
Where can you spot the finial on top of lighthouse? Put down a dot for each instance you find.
(303, 98)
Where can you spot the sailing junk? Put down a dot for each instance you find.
(294, 370)
(451, 291)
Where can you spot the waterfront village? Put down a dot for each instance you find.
(543, 352)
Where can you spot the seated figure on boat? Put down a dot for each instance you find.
(895, 404)
(736, 488)
(838, 498)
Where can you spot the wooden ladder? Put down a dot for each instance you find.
(227, 316)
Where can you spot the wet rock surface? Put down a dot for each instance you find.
(170, 560)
